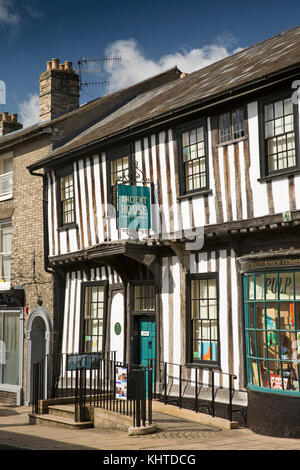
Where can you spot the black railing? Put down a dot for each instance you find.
(38, 385)
(118, 387)
(173, 384)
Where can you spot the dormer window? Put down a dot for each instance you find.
(231, 126)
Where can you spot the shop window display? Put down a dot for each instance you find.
(272, 322)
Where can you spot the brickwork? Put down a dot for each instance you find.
(59, 90)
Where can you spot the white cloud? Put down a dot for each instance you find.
(29, 110)
(135, 66)
(8, 13)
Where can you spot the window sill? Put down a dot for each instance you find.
(6, 197)
(203, 192)
(234, 141)
(284, 174)
(202, 365)
(67, 227)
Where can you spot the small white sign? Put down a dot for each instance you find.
(145, 333)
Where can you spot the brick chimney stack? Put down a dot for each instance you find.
(9, 123)
(59, 90)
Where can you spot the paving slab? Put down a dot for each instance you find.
(173, 434)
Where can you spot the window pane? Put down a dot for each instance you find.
(238, 123)
(93, 318)
(225, 127)
(269, 112)
(119, 170)
(278, 109)
(204, 319)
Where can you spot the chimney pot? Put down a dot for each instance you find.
(61, 67)
(55, 63)
(68, 65)
(49, 65)
(5, 116)
(14, 118)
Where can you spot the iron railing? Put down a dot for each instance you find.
(176, 383)
(91, 380)
(99, 387)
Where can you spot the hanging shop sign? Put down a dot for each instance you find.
(134, 207)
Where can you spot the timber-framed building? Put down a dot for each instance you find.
(214, 280)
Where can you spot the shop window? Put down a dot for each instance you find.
(10, 351)
(279, 139)
(194, 158)
(202, 317)
(94, 315)
(231, 126)
(272, 321)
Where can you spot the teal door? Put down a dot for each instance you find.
(147, 340)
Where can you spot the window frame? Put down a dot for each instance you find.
(84, 285)
(181, 130)
(274, 97)
(247, 301)
(112, 155)
(231, 111)
(9, 174)
(63, 173)
(5, 285)
(189, 331)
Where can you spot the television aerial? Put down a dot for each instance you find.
(92, 66)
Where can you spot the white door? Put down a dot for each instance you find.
(117, 326)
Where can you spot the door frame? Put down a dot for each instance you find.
(136, 314)
(44, 314)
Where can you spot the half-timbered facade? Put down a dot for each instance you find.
(214, 281)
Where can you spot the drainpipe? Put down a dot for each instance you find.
(45, 220)
(58, 289)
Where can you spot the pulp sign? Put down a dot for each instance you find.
(134, 207)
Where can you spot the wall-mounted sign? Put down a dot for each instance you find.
(121, 383)
(83, 361)
(134, 207)
(118, 328)
(268, 263)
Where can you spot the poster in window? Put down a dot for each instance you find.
(121, 383)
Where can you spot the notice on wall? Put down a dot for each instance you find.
(121, 383)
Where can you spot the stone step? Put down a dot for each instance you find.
(58, 421)
(67, 411)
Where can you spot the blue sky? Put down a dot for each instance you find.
(149, 36)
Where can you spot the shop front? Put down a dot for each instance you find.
(272, 345)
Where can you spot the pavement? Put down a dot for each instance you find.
(174, 434)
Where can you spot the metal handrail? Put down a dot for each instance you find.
(196, 368)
